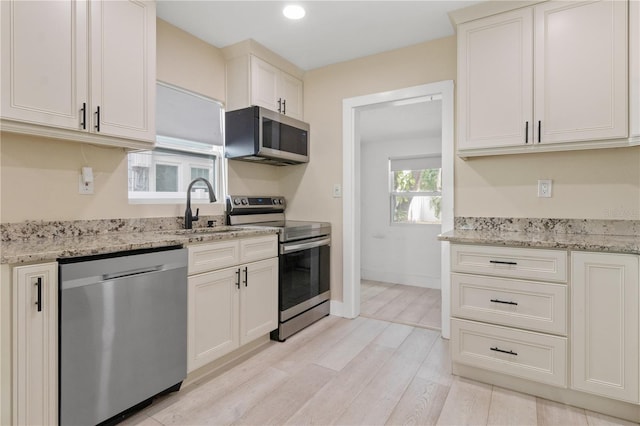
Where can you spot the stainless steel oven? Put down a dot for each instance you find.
(305, 252)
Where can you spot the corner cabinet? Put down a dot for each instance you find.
(35, 344)
(605, 331)
(252, 81)
(549, 77)
(233, 296)
(80, 70)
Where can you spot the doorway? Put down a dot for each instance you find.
(352, 109)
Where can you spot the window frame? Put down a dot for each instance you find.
(410, 194)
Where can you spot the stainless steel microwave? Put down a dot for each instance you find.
(264, 136)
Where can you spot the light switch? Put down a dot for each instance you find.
(337, 190)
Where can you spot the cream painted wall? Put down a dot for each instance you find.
(594, 184)
(309, 187)
(39, 177)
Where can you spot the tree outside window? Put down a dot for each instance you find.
(416, 190)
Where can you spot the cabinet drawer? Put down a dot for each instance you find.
(524, 304)
(218, 255)
(528, 355)
(258, 248)
(537, 264)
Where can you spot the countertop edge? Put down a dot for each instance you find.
(32, 251)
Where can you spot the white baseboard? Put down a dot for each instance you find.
(336, 308)
(399, 278)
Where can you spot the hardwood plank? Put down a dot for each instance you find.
(555, 413)
(394, 335)
(284, 401)
(334, 398)
(396, 306)
(420, 404)
(369, 289)
(597, 419)
(512, 408)
(317, 347)
(416, 310)
(140, 419)
(377, 401)
(377, 302)
(213, 387)
(467, 403)
(437, 366)
(348, 348)
(433, 316)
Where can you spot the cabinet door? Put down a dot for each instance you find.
(605, 332)
(495, 90)
(264, 84)
(123, 80)
(290, 88)
(581, 71)
(44, 62)
(634, 68)
(213, 316)
(259, 299)
(35, 345)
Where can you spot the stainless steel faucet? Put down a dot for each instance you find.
(189, 218)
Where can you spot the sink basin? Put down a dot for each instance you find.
(206, 231)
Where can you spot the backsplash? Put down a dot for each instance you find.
(558, 226)
(66, 229)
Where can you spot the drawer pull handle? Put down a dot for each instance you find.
(502, 301)
(496, 349)
(502, 262)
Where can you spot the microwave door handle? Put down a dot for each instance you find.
(290, 248)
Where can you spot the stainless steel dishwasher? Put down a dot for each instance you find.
(123, 332)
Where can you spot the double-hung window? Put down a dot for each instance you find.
(189, 145)
(416, 189)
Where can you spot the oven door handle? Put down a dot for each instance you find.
(290, 248)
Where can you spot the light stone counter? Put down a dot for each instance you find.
(615, 236)
(34, 242)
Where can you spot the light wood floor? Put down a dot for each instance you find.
(403, 304)
(355, 372)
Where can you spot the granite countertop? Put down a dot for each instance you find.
(605, 235)
(37, 249)
(584, 242)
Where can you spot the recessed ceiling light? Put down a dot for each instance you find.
(293, 11)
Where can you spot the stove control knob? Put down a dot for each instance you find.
(274, 201)
(245, 202)
(236, 201)
(281, 201)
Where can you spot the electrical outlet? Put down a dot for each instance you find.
(544, 188)
(337, 190)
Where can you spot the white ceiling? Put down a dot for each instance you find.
(331, 32)
(393, 122)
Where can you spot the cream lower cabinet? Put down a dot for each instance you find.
(509, 309)
(233, 296)
(35, 345)
(604, 318)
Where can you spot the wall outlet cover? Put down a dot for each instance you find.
(337, 190)
(544, 188)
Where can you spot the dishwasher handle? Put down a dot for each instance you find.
(131, 272)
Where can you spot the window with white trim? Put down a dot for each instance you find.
(189, 145)
(416, 189)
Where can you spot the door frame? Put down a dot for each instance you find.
(351, 189)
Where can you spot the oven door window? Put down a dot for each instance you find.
(303, 275)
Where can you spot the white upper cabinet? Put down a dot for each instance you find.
(634, 70)
(549, 77)
(253, 81)
(44, 62)
(580, 71)
(80, 70)
(275, 89)
(495, 65)
(123, 58)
